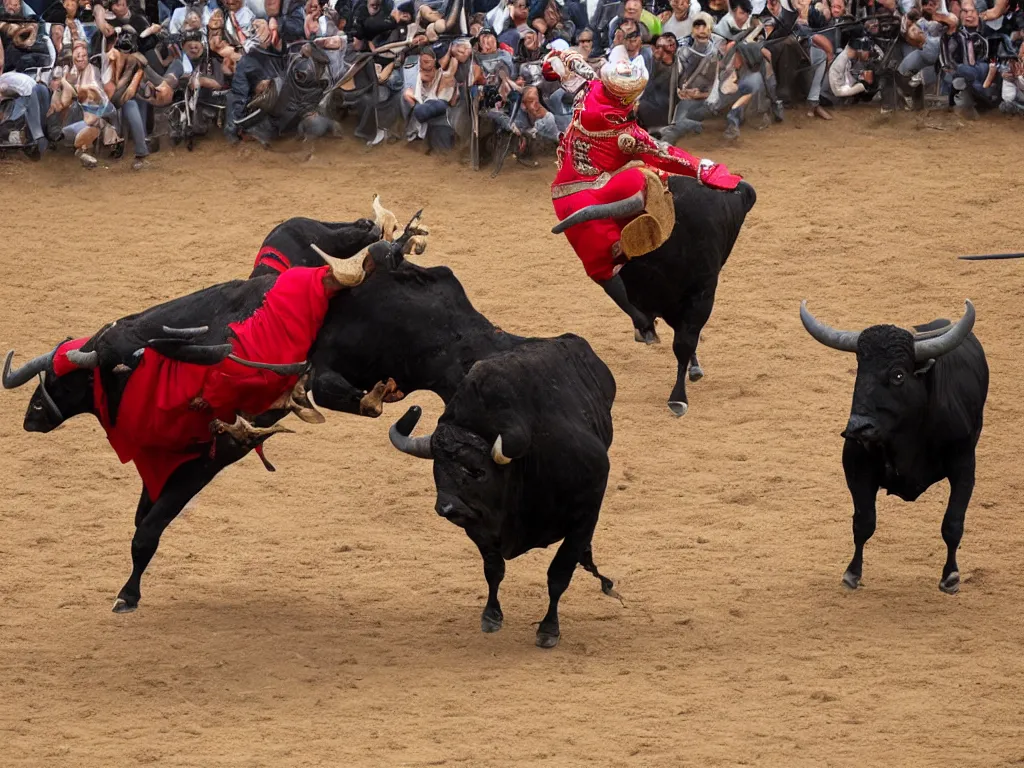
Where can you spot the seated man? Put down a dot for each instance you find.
(924, 39)
(652, 111)
(425, 104)
(1013, 86)
(974, 77)
(254, 77)
(606, 158)
(697, 80)
(35, 98)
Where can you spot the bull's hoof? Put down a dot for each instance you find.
(951, 584)
(123, 606)
(678, 408)
(490, 623)
(696, 373)
(650, 336)
(547, 639)
(851, 580)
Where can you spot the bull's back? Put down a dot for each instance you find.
(958, 391)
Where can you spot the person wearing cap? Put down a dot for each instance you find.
(842, 83)
(605, 157)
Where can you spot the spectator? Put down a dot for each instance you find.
(731, 24)
(633, 10)
(974, 78)
(679, 20)
(918, 66)
(35, 98)
(843, 84)
(653, 110)
(254, 75)
(697, 79)
(1013, 86)
(425, 104)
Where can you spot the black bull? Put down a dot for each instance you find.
(406, 322)
(916, 417)
(520, 459)
(677, 282)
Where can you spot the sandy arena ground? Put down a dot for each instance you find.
(325, 615)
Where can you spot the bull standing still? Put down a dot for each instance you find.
(169, 393)
(615, 202)
(916, 418)
(521, 461)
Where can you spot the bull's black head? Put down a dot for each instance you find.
(470, 473)
(57, 398)
(891, 390)
(64, 389)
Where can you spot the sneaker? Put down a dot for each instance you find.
(381, 136)
(776, 109)
(732, 131)
(140, 163)
(1011, 108)
(916, 79)
(87, 160)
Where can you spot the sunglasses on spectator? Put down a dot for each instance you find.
(586, 40)
(631, 35)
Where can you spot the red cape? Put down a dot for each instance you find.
(167, 406)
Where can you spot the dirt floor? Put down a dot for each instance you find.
(325, 615)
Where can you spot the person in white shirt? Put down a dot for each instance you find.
(842, 83)
(679, 21)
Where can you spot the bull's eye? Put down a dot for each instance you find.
(36, 407)
(897, 376)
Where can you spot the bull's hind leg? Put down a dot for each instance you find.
(152, 518)
(494, 571)
(687, 326)
(961, 486)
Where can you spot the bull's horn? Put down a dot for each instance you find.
(284, 369)
(400, 431)
(84, 359)
(186, 333)
(844, 341)
(385, 219)
(349, 272)
(950, 340)
(25, 373)
(616, 210)
(497, 455)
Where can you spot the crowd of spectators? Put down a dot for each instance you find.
(102, 75)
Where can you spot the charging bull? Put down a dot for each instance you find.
(916, 418)
(173, 397)
(521, 461)
(677, 281)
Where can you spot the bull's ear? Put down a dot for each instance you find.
(924, 367)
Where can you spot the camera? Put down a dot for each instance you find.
(491, 97)
(127, 40)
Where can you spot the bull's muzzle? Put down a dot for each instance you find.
(861, 428)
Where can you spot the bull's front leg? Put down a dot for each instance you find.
(571, 552)
(494, 571)
(961, 486)
(863, 487)
(687, 326)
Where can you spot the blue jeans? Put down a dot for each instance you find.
(135, 116)
(428, 110)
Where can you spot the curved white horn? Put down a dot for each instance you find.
(497, 455)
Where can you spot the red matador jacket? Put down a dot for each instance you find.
(599, 157)
(164, 417)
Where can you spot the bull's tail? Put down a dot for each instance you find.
(607, 585)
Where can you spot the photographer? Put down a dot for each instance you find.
(844, 86)
(1013, 85)
(918, 66)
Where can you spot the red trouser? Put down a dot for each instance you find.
(593, 240)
